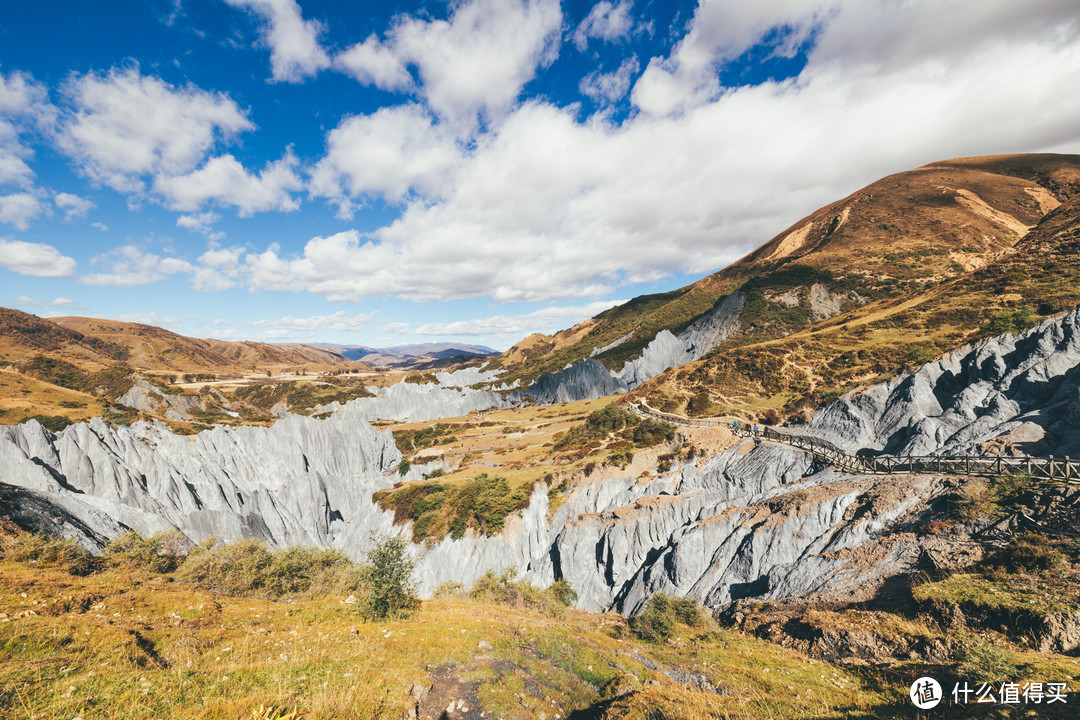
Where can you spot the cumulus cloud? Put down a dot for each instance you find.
(73, 205)
(27, 301)
(19, 209)
(609, 87)
(125, 125)
(606, 22)
(23, 103)
(295, 52)
(294, 327)
(373, 63)
(547, 206)
(477, 61)
(389, 153)
(35, 259)
(543, 320)
(129, 266)
(199, 222)
(218, 269)
(225, 182)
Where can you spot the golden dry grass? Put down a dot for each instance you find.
(135, 645)
(22, 397)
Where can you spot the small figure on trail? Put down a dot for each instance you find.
(736, 426)
(755, 429)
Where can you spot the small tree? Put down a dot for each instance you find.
(389, 587)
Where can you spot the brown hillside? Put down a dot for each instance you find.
(789, 376)
(155, 349)
(897, 236)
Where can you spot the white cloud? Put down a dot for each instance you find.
(388, 153)
(23, 104)
(200, 222)
(128, 266)
(373, 63)
(546, 206)
(294, 327)
(475, 62)
(27, 301)
(100, 226)
(295, 52)
(609, 87)
(219, 269)
(542, 320)
(225, 182)
(606, 22)
(125, 125)
(62, 302)
(73, 205)
(35, 259)
(19, 209)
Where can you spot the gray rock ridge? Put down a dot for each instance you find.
(584, 380)
(588, 379)
(753, 521)
(1005, 393)
(667, 350)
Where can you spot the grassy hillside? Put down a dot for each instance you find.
(153, 349)
(901, 235)
(112, 638)
(774, 378)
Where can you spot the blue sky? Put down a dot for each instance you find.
(398, 172)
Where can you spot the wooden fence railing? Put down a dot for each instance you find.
(1049, 468)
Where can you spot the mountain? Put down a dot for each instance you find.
(900, 235)
(420, 356)
(155, 349)
(790, 376)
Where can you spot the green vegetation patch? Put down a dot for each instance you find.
(435, 508)
(110, 383)
(412, 441)
(620, 422)
(301, 397)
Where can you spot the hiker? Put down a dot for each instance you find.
(755, 429)
(736, 426)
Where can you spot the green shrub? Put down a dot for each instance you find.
(311, 572)
(162, 552)
(47, 551)
(985, 662)
(1032, 552)
(658, 621)
(53, 423)
(505, 589)
(403, 467)
(1010, 321)
(389, 590)
(238, 568)
(250, 568)
(482, 503)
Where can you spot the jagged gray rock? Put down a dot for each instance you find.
(760, 521)
(1023, 392)
(584, 380)
(588, 379)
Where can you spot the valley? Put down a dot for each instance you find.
(932, 313)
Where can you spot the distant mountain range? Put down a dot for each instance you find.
(418, 356)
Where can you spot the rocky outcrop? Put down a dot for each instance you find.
(1026, 388)
(583, 381)
(753, 520)
(589, 379)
